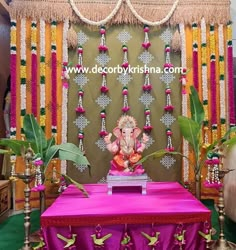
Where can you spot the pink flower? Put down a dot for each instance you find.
(125, 91)
(80, 50)
(170, 149)
(146, 29)
(80, 136)
(103, 115)
(167, 49)
(81, 93)
(125, 65)
(38, 162)
(146, 45)
(41, 187)
(102, 31)
(102, 47)
(65, 64)
(209, 162)
(79, 66)
(184, 71)
(184, 92)
(104, 73)
(80, 110)
(169, 132)
(168, 91)
(147, 128)
(147, 87)
(147, 112)
(65, 85)
(125, 109)
(215, 161)
(168, 65)
(103, 133)
(125, 49)
(104, 89)
(169, 108)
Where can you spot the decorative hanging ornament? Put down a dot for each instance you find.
(180, 236)
(103, 132)
(38, 184)
(102, 47)
(147, 127)
(125, 107)
(126, 242)
(98, 239)
(125, 63)
(146, 44)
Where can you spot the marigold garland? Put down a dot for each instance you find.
(54, 77)
(42, 69)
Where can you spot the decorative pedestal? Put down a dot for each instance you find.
(127, 181)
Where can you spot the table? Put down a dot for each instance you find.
(166, 208)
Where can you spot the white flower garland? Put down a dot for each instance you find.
(23, 70)
(102, 22)
(64, 92)
(42, 73)
(222, 79)
(165, 19)
(184, 101)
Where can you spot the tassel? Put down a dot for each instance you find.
(72, 39)
(176, 42)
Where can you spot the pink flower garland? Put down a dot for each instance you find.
(125, 107)
(54, 90)
(13, 92)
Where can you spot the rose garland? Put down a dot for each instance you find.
(64, 90)
(54, 76)
(13, 62)
(23, 72)
(183, 80)
(222, 80)
(147, 86)
(42, 70)
(168, 107)
(103, 89)
(195, 55)
(213, 83)
(34, 67)
(13, 79)
(230, 75)
(204, 81)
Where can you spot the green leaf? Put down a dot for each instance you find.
(66, 151)
(197, 110)
(50, 143)
(78, 185)
(154, 155)
(191, 132)
(34, 133)
(4, 151)
(16, 145)
(230, 142)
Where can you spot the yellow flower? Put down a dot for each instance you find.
(221, 68)
(204, 55)
(13, 36)
(34, 36)
(22, 71)
(223, 129)
(21, 121)
(214, 135)
(229, 32)
(53, 35)
(42, 69)
(195, 34)
(42, 120)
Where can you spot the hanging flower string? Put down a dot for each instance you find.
(222, 80)
(204, 82)
(103, 89)
(146, 44)
(54, 76)
(125, 107)
(168, 107)
(42, 69)
(38, 184)
(125, 63)
(183, 80)
(195, 55)
(34, 66)
(23, 73)
(213, 83)
(230, 75)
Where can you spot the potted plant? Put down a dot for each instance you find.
(45, 149)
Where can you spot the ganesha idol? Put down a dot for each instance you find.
(126, 149)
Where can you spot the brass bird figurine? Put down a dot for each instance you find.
(180, 237)
(69, 241)
(39, 245)
(153, 240)
(100, 241)
(206, 236)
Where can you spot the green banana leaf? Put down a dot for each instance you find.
(191, 132)
(16, 145)
(34, 133)
(66, 151)
(196, 107)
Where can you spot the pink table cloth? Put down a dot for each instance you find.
(167, 208)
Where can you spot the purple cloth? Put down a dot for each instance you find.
(163, 209)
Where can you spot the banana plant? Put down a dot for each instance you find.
(44, 148)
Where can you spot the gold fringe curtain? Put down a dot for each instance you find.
(187, 10)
